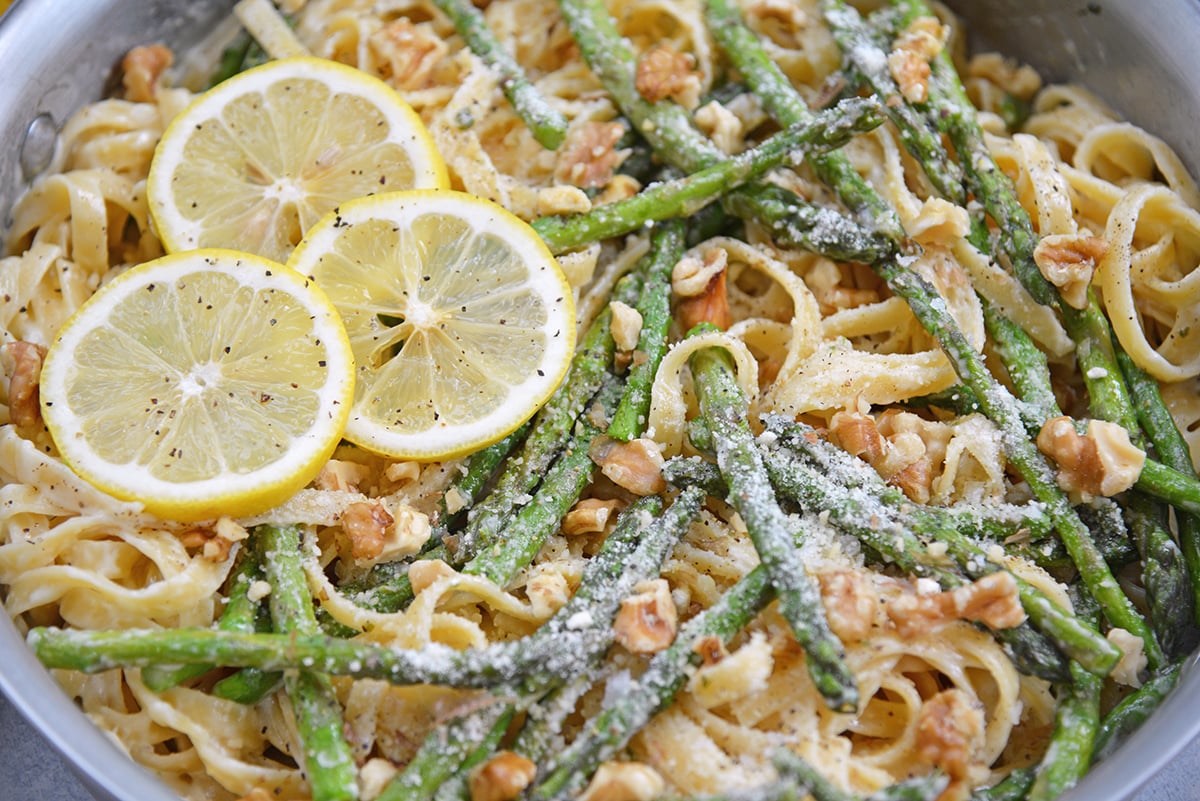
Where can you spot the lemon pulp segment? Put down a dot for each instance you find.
(461, 322)
(203, 383)
(255, 161)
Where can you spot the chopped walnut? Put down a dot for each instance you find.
(1068, 261)
(740, 674)
(850, 603)
(212, 545)
(423, 572)
(710, 649)
(1101, 462)
(621, 187)
(589, 156)
(950, 733)
(1133, 657)
(858, 435)
(1020, 81)
(24, 405)
(647, 621)
(589, 516)
(911, 53)
(502, 778)
(402, 472)
(691, 276)
(366, 523)
(635, 465)
(722, 126)
(626, 325)
(711, 306)
(374, 776)
(664, 72)
(623, 781)
(547, 591)
(991, 600)
(143, 67)
(408, 53)
(562, 200)
(901, 447)
(341, 476)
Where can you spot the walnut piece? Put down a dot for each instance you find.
(547, 591)
(722, 126)
(589, 157)
(991, 600)
(24, 406)
(1068, 261)
(664, 72)
(626, 325)
(562, 199)
(366, 524)
(623, 781)
(408, 54)
(691, 276)
(710, 306)
(635, 465)
(950, 733)
(911, 53)
(341, 476)
(374, 776)
(589, 516)
(502, 778)
(142, 69)
(850, 603)
(1101, 462)
(647, 621)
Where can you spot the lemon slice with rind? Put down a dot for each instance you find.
(461, 321)
(256, 160)
(201, 384)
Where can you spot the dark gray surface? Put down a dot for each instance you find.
(31, 771)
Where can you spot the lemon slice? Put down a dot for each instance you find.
(203, 383)
(461, 321)
(259, 158)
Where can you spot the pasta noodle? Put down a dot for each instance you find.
(811, 338)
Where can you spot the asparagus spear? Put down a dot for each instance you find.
(783, 103)
(625, 714)
(1133, 710)
(523, 536)
(328, 759)
(548, 125)
(870, 61)
(654, 304)
(446, 751)
(1014, 787)
(240, 614)
(684, 196)
(920, 788)
(668, 128)
(723, 408)
(1076, 720)
(1171, 447)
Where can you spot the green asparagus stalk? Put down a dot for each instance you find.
(870, 61)
(328, 759)
(480, 468)
(445, 752)
(685, 196)
(1133, 710)
(546, 123)
(1076, 721)
(625, 714)
(1014, 787)
(920, 788)
(654, 304)
(523, 536)
(783, 103)
(723, 408)
(668, 128)
(861, 495)
(1171, 447)
(240, 614)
